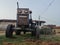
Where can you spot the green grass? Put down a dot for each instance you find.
(50, 38)
(21, 38)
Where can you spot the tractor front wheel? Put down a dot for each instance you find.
(9, 31)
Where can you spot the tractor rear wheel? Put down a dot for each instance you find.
(33, 33)
(37, 32)
(9, 31)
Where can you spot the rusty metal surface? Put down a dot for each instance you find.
(23, 20)
(23, 16)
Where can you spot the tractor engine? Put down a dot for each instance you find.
(23, 17)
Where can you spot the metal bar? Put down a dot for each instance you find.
(26, 29)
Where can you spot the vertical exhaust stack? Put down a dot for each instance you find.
(17, 5)
(17, 13)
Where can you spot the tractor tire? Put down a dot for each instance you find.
(37, 32)
(34, 33)
(9, 31)
(18, 32)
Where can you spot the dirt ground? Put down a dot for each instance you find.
(33, 42)
(2, 33)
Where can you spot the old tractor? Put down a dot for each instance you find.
(24, 23)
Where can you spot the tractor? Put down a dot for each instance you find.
(24, 23)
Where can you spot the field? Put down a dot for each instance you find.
(27, 39)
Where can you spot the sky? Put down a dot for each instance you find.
(48, 10)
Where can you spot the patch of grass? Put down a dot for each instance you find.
(50, 38)
(21, 38)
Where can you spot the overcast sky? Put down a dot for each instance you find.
(49, 10)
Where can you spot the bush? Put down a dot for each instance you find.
(46, 31)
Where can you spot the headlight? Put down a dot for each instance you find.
(20, 11)
(26, 11)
